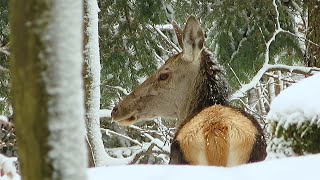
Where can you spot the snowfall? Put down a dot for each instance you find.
(299, 100)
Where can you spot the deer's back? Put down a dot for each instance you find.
(219, 136)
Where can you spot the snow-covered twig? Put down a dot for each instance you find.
(234, 73)
(164, 37)
(301, 37)
(238, 48)
(3, 69)
(142, 152)
(164, 27)
(142, 131)
(252, 111)
(105, 113)
(271, 67)
(274, 76)
(108, 131)
(4, 50)
(292, 69)
(123, 90)
(243, 40)
(4, 121)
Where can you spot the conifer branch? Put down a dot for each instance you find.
(269, 67)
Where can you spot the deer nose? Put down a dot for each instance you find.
(114, 111)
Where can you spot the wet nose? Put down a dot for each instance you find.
(114, 111)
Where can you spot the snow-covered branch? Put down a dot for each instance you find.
(4, 50)
(275, 33)
(3, 69)
(123, 90)
(164, 27)
(108, 131)
(105, 113)
(244, 39)
(271, 67)
(164, 37)
(292, 69)
(300, 37)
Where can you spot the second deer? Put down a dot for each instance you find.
(191, 86)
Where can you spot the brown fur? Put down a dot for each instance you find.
(222, 132)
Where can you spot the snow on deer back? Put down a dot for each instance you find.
(191, 86)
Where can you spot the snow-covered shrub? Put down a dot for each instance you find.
(294, 119)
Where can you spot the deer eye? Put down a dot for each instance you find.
(163, 76)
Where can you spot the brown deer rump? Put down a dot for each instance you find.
(219, 136)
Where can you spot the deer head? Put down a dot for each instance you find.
(174, 89)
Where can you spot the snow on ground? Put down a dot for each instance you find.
(7, 168)
(295, 168)
(297, 103)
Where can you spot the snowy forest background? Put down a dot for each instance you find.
(265, 46)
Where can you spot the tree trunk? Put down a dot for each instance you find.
(91, 74)
(46, 63)
(313, 34)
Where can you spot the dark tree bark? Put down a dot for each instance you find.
(313, 34)
(47, 88)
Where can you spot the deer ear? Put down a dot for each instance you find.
(178, 31)
(193, 39)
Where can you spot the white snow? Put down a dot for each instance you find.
(295, 168)
(4, 119)
(105, 113)
(7, 169)
(297, 103)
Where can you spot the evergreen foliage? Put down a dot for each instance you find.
(4, 59)
(128, 47)
(301, 138)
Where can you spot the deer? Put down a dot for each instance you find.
(191, 86)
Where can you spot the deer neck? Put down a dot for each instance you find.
(210, 88)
